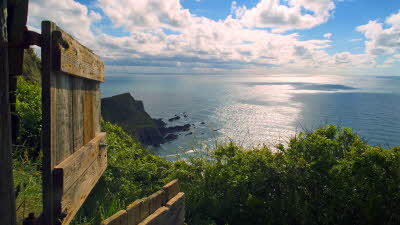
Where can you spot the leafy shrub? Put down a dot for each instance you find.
(29, 112)
(329, 176)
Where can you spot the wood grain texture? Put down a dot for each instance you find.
(73, 58)
(7, 199)
(18, 14)
(176, 214)
(78, 101)
(16, 21)
(157, 218)
(171, 189)
(97, 108)
(157, 200)
(88, 112)
(119, 218)
(64, 117)
(48, 124)
(76, 164)
(133, 211)
(75, 196)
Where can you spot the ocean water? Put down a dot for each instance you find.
(256, 110)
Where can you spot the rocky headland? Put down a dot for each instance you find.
(130, 114)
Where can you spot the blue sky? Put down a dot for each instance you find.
(352, 37)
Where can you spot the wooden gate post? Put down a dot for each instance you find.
(74, 153)
(16, 21)
(7, 197)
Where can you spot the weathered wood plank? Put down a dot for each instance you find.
(119, 218)
(176, 214)
(76, 164)
(78, 101)
(171, 189)
(49, 140)
(18, 14)
(16, 21)
(133, 211)
(64, 119)
(97, 108)
(7, 199)
(157, 200)
(74, 197)
(144, 209)
(157, 218)
(88, 112)
(73, 58)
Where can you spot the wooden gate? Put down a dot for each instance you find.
(73, 147)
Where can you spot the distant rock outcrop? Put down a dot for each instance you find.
(129, 113)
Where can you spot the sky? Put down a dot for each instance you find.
(263, 37)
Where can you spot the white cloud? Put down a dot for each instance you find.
(163, 34)
(381, 41)
(276, 14)
(72, 16)
(146, 14)
(238, 11)
(328, 35)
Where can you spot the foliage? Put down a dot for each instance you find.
(28, 188)
(329, 176)
(31, 69)
(29, 112)
(29, 107)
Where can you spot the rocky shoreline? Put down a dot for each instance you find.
(130, 114)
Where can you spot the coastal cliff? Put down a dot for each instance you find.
(130, 114)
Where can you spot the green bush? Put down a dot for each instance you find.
(329, 176)
(29, 112)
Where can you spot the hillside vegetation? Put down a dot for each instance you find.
(329, 176)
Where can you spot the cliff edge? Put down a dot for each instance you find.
(129, 113)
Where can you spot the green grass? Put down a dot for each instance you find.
(28, 182)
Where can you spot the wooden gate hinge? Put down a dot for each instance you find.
(30, 38)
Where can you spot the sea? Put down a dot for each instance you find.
(263, 110)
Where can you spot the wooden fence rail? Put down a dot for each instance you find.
(165, 207)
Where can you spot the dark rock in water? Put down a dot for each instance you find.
(174, 118)
(185, 116)
(190, 133)
(202, 123)
(159, 123)
(171, 137)
(129, 113)
(165, 130)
